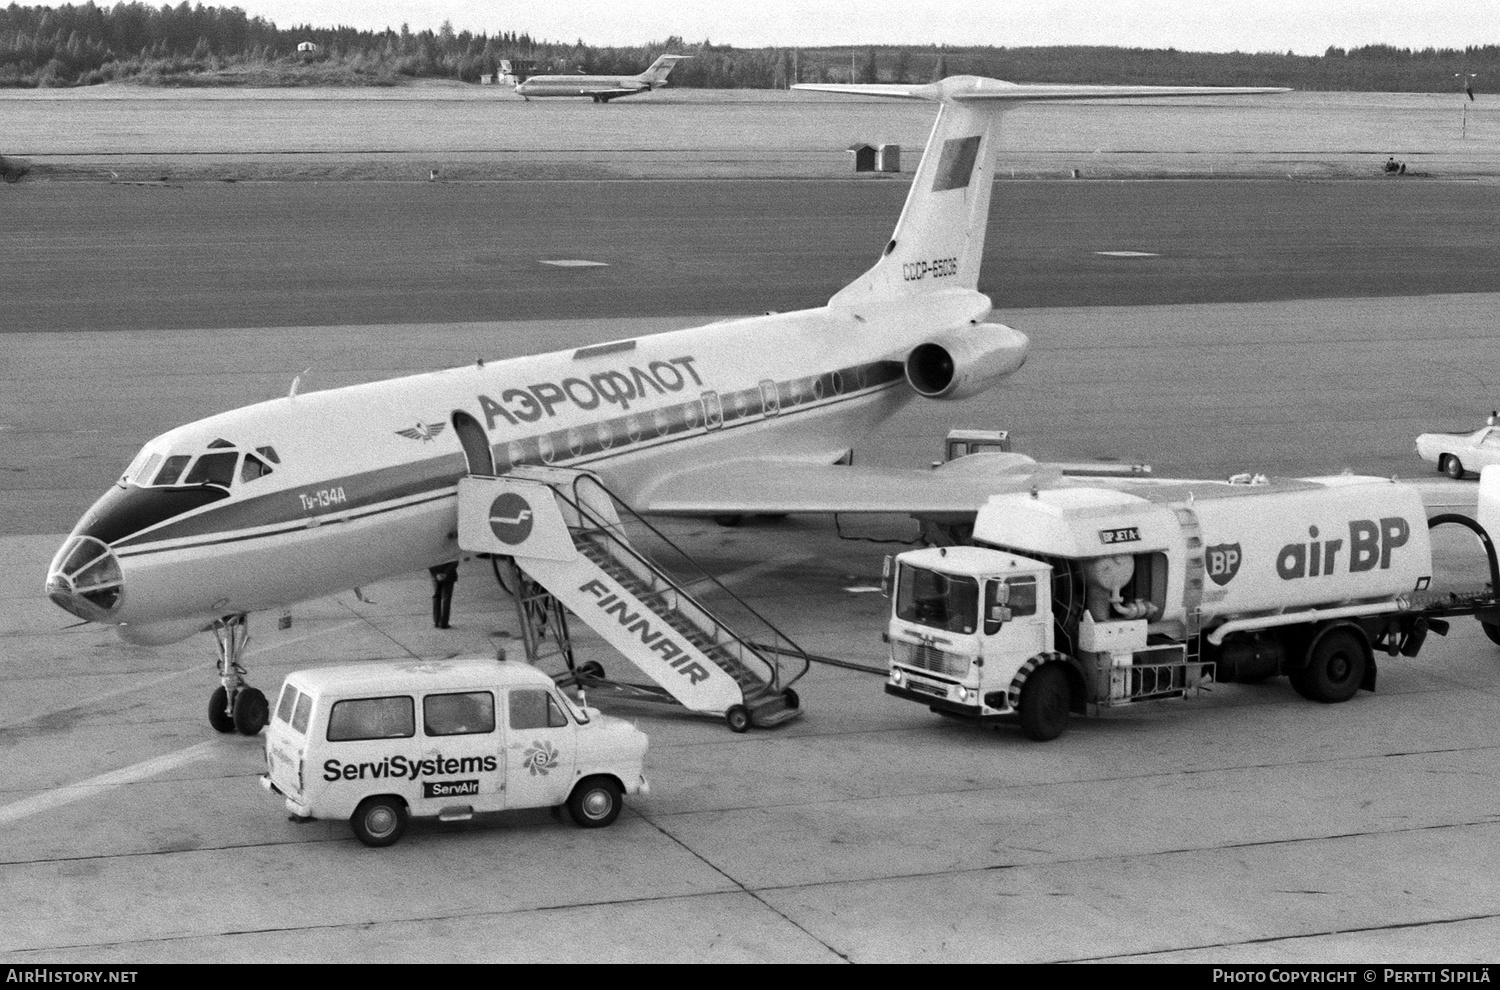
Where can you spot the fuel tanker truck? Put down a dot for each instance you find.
(1077, 599)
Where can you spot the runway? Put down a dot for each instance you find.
(1247, 825)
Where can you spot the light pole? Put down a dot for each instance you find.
(1465, 83)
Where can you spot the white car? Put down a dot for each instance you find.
(1457, 454)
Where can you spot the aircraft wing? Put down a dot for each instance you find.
(760, 487)
(963, 88)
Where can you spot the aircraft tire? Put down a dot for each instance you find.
(251, 713)
(218, 711)
(1492, 631)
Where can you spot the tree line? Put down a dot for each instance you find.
(80, 45)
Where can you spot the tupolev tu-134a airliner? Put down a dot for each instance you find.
(308, 495)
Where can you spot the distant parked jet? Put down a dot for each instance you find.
(601, 88)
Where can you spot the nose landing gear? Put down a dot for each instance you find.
(235, 706)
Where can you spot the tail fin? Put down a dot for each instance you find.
(939, 241)
(659, 69)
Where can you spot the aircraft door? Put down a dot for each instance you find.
(476, 443)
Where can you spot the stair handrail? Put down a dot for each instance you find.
(793, 650)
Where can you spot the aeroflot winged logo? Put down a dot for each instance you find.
(510, 518)
(422, 431)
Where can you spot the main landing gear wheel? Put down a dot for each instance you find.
(592, 668)
(1492, 631)
(219, 715)
(595, 802)
(1452, 466)
(1335, 669)
(738, 718)
(251, 713)
(1045, 703)
(379, 821)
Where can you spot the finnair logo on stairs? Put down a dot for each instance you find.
(654, 639)
(510, 518)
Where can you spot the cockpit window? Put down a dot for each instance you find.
(269, 453)
(213, 469)
(171, 470)
(220, 444)
(254, 468)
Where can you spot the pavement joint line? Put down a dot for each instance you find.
(94, 786)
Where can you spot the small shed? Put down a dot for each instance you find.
(888, 158)
(307, 48)
(864, 157)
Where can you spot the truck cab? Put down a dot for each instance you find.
(992, 634)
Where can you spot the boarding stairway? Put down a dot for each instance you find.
(558, 533)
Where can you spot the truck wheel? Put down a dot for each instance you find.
(1045, 703)
(595, 802)
(1452, 466)
(1335, 669)
(738, 718)
(218, 711)
(251, 712)
(379, 821)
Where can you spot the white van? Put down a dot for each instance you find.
(378, 742)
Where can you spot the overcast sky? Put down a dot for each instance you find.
(1307, 27)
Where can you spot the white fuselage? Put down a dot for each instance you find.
(364, 486)
(613, 86)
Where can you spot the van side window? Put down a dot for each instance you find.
(458, 714)
(286, 705)
(372, 718)
(533, 708)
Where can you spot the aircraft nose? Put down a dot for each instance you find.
(84, 579)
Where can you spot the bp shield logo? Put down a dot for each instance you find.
(1222, 562)
(510, 518)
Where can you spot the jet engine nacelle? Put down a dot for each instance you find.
(161, 633)
(965, 361)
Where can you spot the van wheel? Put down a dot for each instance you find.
(1452, 466)
(595, 802)
(251, 713)
(379, 821)
(218, 711)
(738, 718)
(1334, 670)
(1045, 703)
